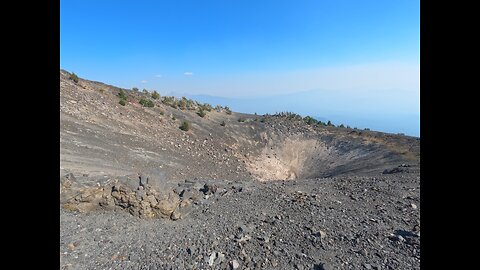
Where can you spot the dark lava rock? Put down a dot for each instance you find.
(394, 170)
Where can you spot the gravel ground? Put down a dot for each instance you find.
(334, 223)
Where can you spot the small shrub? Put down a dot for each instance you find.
(122, 102)
(366, 129)
(310, 120)
(182, 103)
(207, 107)
(145, 91)
(201, 113)
(227, 110)
(329, 123)
(74, 77)
(170, 101)
(341, 126)
(241, 119)
(155, 95)
(135, 89)
(262, 120)
(185, 126)
(146, 102)
(121, 95)
(173, 118)
(191, 104)
(222, 124)
(162, 113)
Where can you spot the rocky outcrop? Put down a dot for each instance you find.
(144, 201)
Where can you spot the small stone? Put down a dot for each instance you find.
(133, 257)
(244, 229)
(175, 215)
(367, 266)
(71, 246)
(320, 234)
(234, 264)
(209, 189)
(211, 259)
(265, 238)
(220, 258)
(414, 206)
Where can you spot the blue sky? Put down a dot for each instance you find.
(246, 49)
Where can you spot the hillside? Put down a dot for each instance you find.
(139, 192)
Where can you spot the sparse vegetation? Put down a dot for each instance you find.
(262, 120)
(170, 101)
(290, 115)
(330, 124)
(162, 113)
(241, 119)
(135, 89)
(201, 113)
(121, 94)
(182, 103)
(185, 126)
(146, 102)
(341, 126)
(155, 95)
(145, 91)
(366, 129)
(74, 77)
(191, 104)
(227, 110)
(310, 120)
(206, 107)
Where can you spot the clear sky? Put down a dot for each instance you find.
(247, 49)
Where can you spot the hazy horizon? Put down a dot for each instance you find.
(361, 57)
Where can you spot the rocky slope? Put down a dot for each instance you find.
(137, 192)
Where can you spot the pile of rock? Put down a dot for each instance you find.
(143, 201)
